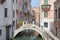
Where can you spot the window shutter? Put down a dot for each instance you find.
(45, 14)
(59, 12)
(46, 2)
(5, 12)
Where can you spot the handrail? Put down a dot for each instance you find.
(51, 35)
(32, 26)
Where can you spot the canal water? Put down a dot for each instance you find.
(28, 35)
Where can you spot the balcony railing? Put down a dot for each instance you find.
(46, 7)
(2, 1)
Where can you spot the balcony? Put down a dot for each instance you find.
(46, 7)
(2, 1)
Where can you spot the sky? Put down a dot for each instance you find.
(35, 3)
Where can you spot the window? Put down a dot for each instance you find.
(5, 12)
(16, 1)
(13, 13)
(45, 24)
(56, 13)
(0, 31)
(13, 1)
(45, 2)
(20, 13)
(59, 13)
(7, 34)
(25, 9)
(13, 23)
(45, 14)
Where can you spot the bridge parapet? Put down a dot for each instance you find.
(29, 26)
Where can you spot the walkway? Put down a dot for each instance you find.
(50, 35)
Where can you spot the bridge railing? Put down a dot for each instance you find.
(33, 23)
(28, 23)
(50, 35)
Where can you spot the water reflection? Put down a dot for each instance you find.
(28, 35)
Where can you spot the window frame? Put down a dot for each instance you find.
(13, 1)
(6, 10)
(45, 24)
(0, 32)
(59, 13)
(45, 16)
(13, 13)
(46, 2)
(56, 13)
(13, 23)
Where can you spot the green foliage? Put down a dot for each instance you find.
(20, 23)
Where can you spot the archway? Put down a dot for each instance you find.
(28, 34)
(21, 29)
(36, 28)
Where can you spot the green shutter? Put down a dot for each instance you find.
(45, 24)
(59, 12)
(45, 14)
(46, 2)
(56, 13)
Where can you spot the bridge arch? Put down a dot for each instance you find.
(35, 28)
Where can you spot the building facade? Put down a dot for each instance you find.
(5, 19)
(23, 11)
(27, 10)
(57, 18)
(47, 14)
(36, 14)
(9, 17)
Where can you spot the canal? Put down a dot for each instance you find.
(28, 35)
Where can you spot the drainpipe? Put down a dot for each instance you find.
(12, 18)
(39, 14)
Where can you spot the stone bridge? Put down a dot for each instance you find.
(29, 26)
(46, 35)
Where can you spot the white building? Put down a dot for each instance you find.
(7, 18)
(14, 14)
(47, 14)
